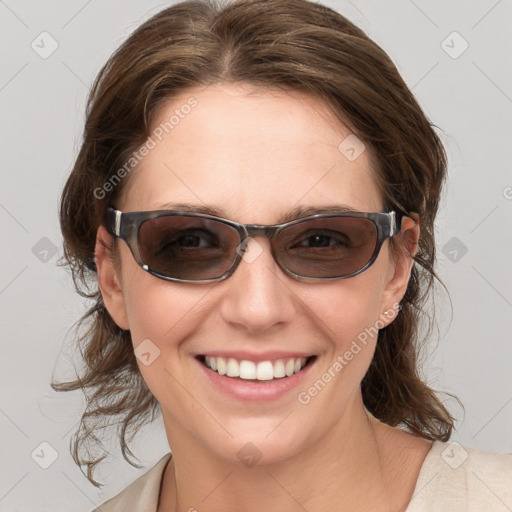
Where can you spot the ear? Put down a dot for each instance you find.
(401, 261)
(108, 279)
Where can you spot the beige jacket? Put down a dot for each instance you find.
(452, 479)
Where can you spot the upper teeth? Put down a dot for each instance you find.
(264, 370)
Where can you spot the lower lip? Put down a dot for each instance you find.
(256, 391)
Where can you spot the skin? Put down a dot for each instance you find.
(256, 153)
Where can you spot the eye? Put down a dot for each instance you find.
(322, 239)
(188, 239)
(191, 240)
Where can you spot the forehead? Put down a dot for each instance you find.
(251, 153)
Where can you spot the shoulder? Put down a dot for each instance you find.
(456, 478)
(141, 495)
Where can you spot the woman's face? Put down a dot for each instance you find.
(252, 155)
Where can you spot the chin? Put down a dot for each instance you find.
(262, 441)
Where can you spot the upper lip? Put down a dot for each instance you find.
(241, 355)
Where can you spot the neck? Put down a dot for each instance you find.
(357, 467)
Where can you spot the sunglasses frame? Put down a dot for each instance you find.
(126, 226)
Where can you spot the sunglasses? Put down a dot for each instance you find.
(190, 247)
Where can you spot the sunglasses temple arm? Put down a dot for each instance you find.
(113, 222)
(395, 224)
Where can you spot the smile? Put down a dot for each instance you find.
(259, 371)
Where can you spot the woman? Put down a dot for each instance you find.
(253, 204)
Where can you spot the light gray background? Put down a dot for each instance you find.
(469, 97)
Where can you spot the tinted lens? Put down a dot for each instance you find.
(329, 247)
(187, 247)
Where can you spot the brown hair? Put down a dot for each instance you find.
(287, 44)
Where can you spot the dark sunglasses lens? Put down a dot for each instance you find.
(191, 248)
(329, 247)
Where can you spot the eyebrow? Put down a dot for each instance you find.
(292, 214)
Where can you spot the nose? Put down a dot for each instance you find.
(258, 296)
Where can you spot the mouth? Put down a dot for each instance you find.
(256, 371)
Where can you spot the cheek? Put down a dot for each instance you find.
(349, 314)
(153, 306)
(161, 310)
(163, 317)
(348, 308)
